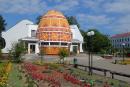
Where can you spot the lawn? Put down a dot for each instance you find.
(98, 79)
(13, 79)
(1, 65)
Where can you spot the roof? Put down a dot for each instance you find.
(76, 33)
(121, 35)
(29, 39)
(24, 21)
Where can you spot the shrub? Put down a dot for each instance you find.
(16, 51)
(53, 66)
(0, 53)
(62, 54)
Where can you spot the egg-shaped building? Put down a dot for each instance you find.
(54, 32)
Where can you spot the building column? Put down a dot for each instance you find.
(28, 48)
(71, 47)
(81, 48)
(36, 48)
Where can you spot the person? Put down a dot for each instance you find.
(75, 62)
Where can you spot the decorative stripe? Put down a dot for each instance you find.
(60, 27)
(53, 16)
(53, 31)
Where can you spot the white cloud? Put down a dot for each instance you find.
(95, 5)
(56, 1)
(36, 6)
(67, 5)
(119, 6)
(22, 6)
(94, 19)
(122, 24)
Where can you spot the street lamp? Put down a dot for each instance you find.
(123, 45)
(90, 34)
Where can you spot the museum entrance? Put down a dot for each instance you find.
(75, 48)
(32, 48)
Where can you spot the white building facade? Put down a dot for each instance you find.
(119, 39)
(25, 30)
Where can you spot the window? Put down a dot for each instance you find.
(126, 39)
(45, 43)
(54, 43)
(33, 33)
(63, 43)
(122, 39)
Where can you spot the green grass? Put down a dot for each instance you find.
(95, 77)
(13, 80)
(1, 65)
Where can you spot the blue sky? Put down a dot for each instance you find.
(108, 16)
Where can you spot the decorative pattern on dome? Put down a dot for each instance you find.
(54, 27)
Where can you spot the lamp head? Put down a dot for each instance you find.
(92, 32)
(88, 33)
(123, 44)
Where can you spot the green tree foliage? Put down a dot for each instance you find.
(72, 21)
(16, 51)
(62, 54)
(2, 28)
(2, 24)
(99, 42)
(2, 43)
(38, 19)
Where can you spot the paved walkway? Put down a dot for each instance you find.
(100, 62)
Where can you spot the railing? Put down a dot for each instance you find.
(104, 70)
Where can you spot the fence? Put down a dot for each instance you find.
(104, 71)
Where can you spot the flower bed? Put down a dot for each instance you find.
(35, 74)
(55, 77)
(63, 76)
(4, 73)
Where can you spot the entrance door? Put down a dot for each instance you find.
(32, 48)
(75, 48)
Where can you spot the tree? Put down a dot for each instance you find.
(16, 51)
(2, 25)
(2, 43)
(72, 21)
(100, 42)
(38, 19)
(62, 54)
(2, 28)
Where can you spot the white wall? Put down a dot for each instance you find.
(15, 33)
(76, 33)
(31, 27)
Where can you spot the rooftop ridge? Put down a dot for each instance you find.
(121, 35)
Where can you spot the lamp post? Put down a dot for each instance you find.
(90, 62)
(123, 45)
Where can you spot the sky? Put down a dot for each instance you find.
(108, 16)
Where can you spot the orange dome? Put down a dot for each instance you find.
(54, 26)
